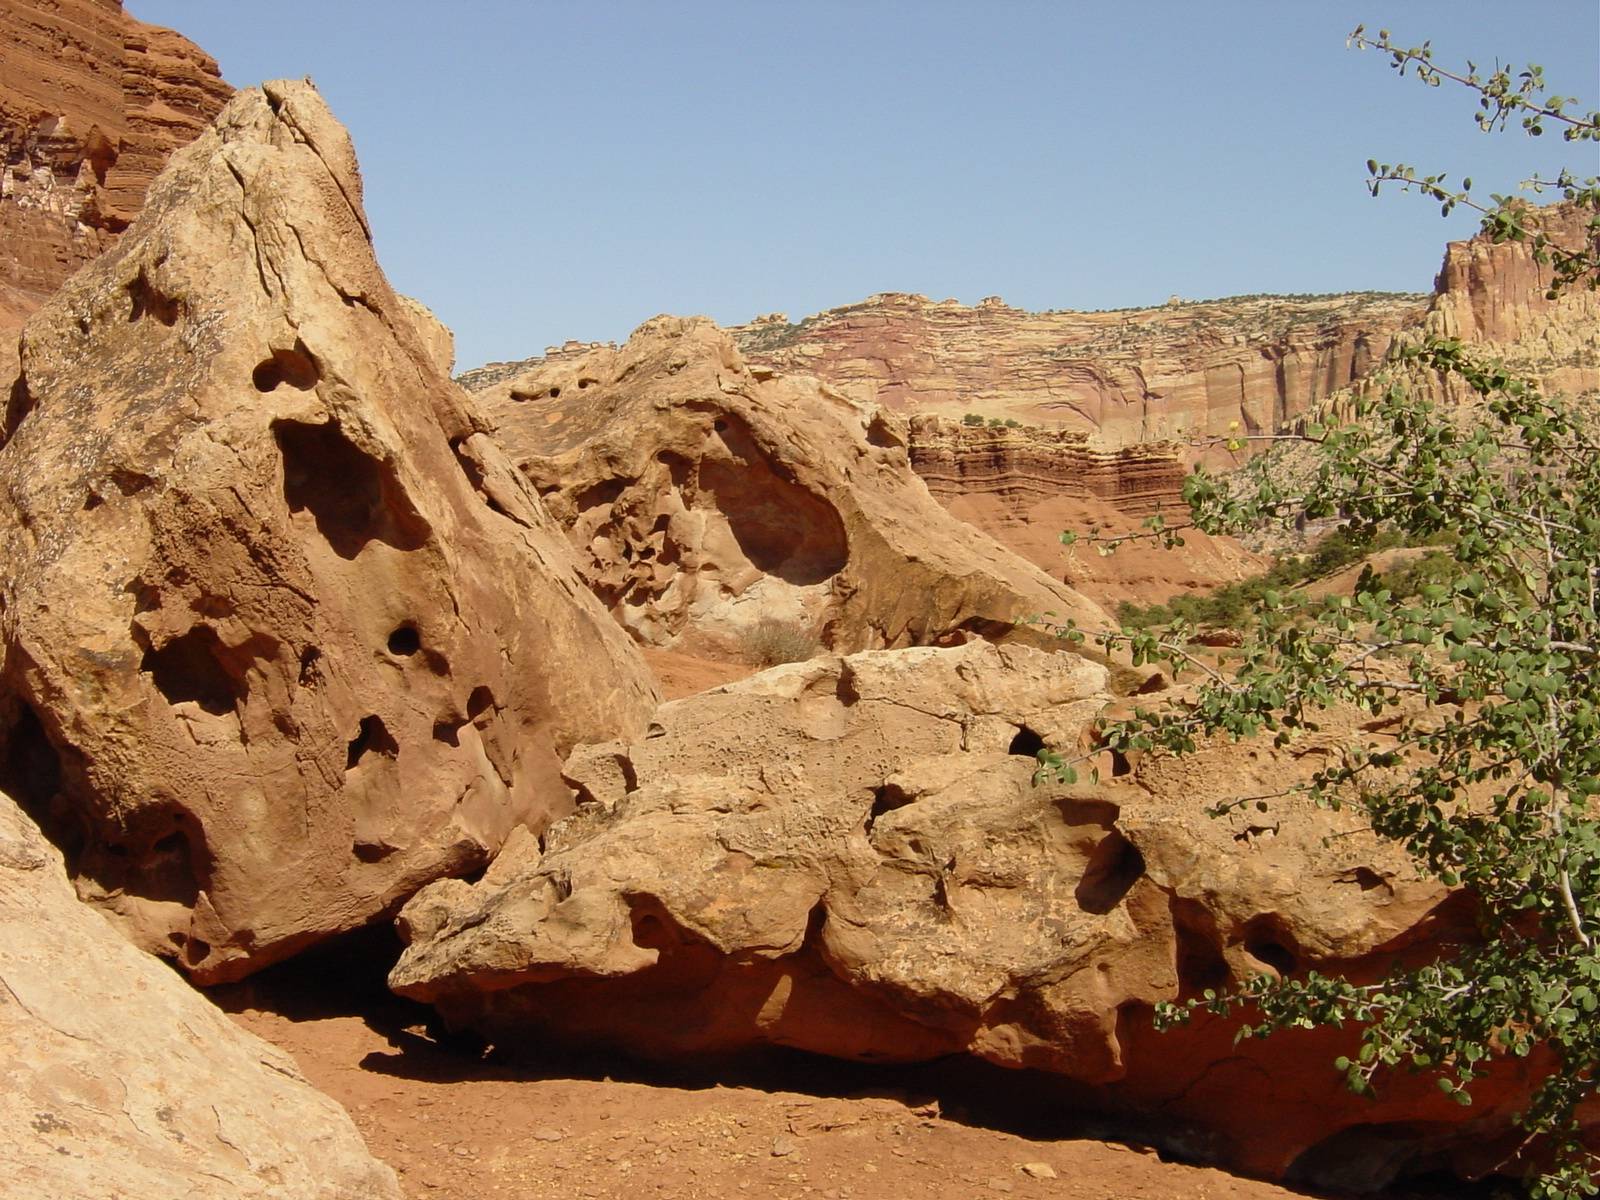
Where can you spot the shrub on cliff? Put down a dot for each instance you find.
(1490, 676)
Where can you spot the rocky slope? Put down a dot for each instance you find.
(1134, 375)
(92, 102)
(120, 1080)
(284, 634)
(706, 498)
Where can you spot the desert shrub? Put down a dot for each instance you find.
(771, 641)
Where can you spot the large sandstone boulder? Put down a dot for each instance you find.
(285, 636)
(119, 1080)
(705, 498)
(848, 856)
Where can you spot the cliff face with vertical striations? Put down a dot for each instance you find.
(1130, 376)
(1494, 295)
(92, 102)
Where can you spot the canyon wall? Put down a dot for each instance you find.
(92, 102)
(1133, 375)
(1022, 463)
(1495, 295)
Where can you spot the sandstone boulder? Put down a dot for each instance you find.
(704, 498)
(118, 1079)
(847, 856)
(285, 636)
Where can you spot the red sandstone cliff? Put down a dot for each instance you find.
(1495, 295)
(1133, 375)
(92, 102)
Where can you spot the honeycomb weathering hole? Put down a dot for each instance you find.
(373, 737)
(353, 497)
(1114, 867)
(294, 367)
(405, 641)
(188, 670)
(146, 301)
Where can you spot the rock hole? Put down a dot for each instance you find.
(405, 641)
(781, 527)
(480, 702)
(1114, 867)
(1268, 942)
(19, 404)
(353, 498)
(555, 392)
(294, 367)
(189, 670)
(373, 737)
(1199, 962)
(880, 434)
(583, 383)
(1120, 764)
(92, 502)
(448, 732)
(146, 301)
(885, 799)
(196, 951)
(130, 483)
(605, 492)
(30, 767)
(1027, 743)
(310, 671)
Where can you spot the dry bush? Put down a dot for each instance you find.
(772, 641)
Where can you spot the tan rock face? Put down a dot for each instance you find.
(1495, 295)
(284, 634)
(847, 856)
(1029, 464)
(1131, 376)
(92, 102)
(120, 1080)
(1024, 486)
(704, 497)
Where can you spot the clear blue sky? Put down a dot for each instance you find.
(544, 169)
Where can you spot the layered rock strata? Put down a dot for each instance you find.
(118, 1079)
(1129, 376)
(92, 102)
(284, 634)
(705, 498)
(1495, 294)
(1024, 464)
(848, 856)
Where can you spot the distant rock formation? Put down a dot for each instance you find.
(705, 497)
(92, 102)
(1023, 464)
(1494, 295)
(121, 1080)
(284, 634)
(1129, 376)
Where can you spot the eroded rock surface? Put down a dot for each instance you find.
(704, 497)
(118, 1079)
(285, 636)
(848, 856)
(1495, 294)
(92, 102)
(1129, 376)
